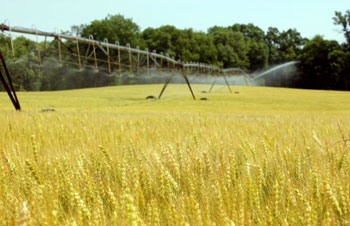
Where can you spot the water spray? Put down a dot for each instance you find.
(275, 69)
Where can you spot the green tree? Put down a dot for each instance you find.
(231, 47)
(205, 48)
(114, 28)
(272, 39)
(23, 47)
(258, 50)
(25, 75)
(344, 21)
(284, 46)
(5, 48)
(161, 39)
(190, 45)
(339, 62)
(322, 65)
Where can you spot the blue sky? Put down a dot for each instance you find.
(309, 17)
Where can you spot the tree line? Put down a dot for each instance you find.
(324, 64)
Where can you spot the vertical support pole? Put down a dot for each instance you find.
(174, 64)
(45, 43)
(168, 63)
(129, 51)
(147, 61)
(138, 60)
(161, 62)
(58, 46)
(108, 56)
(59, 51)
(91, 38)
(37, 46)
(78, 52)
(6, 22)
(119, 66)
(155, 59)
(87, 54)
(12, 46)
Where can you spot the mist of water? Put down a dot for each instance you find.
(282, 68)
(67, 75)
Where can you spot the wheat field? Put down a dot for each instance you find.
(107, 156)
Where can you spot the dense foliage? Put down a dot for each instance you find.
(324, 64)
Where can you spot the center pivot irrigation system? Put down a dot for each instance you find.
(112, 59)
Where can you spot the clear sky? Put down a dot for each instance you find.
(309, 17)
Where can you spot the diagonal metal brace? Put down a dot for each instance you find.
(228, 85)
(155, 61)
(103, 50)
(188, 82)
(66, 46)
(165, 85)
(212, 85)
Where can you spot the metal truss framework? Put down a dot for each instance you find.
(115, 58)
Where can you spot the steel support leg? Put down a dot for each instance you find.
(9, 92)
(245, 80)
(212, 85)
(228, 85)
(165, 85)
(169, 79)
(188, 83)
(8, 89)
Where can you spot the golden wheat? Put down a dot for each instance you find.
(160, 167)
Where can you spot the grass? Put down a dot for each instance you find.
(265, 156)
